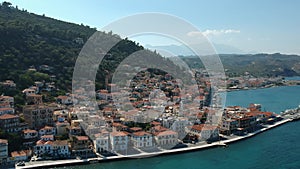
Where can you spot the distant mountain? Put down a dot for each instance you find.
(185, 51)
(256, 64)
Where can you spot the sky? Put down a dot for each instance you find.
(256, 26)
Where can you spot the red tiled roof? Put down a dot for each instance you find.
(135, 128)
(82, 138)
(8, 116)
(201, 127)
(29, 131)
(168, 132)
(3, 141)
(141, 133)
(118, 133)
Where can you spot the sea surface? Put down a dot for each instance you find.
(275, 148)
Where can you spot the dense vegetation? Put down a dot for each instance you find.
(29, 41)
(266, 65)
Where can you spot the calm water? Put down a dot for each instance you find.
(276, 148)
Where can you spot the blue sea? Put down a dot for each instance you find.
(276, 148)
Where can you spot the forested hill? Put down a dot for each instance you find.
(29, 41)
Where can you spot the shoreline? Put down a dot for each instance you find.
(72, 162)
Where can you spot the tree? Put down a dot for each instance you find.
(6, 4)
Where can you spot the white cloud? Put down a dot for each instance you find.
(213, 32)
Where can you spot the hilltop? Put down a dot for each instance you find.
(38, 48)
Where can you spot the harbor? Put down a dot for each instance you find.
(288, 116)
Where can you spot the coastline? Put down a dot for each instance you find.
(48, 164)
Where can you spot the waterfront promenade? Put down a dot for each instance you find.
(231, 139)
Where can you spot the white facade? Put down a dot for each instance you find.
(119, 141)
(179, 126)
(55, 148)
(47, 130)
(205, 131)
(30, 134)
(101, 142)
(142, 139)
(166, 138)
(3, 151)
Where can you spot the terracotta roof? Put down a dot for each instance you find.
(47, 136)
(135, 128)
(60, 142)
(46, 127)
(8, 116)
(118, 133)
(49, 142)
(19, 153)
(40, 142)
(141, 133)
(159, 128)
(3, 141)
(201, 127)
(29, 131)
(82, 138)
(155, 123)
(6, 108)
(168, 132)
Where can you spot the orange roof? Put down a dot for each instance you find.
(47, 136)
(155, 123)
(3, 141)
(8, 116)
(40, 142)
(168, 132)
(29, 131)
(160, 128)
(141, 133)
(118, 133)
(18, 153)
(6, 108)
(201, 127)
(135, 128)
(82, 138)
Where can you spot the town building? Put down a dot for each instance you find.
(37, 116)
(119, 141)
(7, 110)
(166, 139)
(47, 130)
(101, 142)
(141, 139)
(3, 151)
(10, 123)
(81, 146)
(205, 132)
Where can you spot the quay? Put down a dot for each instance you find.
(57, 163)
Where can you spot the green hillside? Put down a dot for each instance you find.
(29, 42)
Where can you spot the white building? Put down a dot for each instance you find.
(142, 139)
(101, 142)
(205, 131)
(179, 126)
(61, 148)
(29, 134)
(167, 138)
(47, 130)
(57, 148)
(119, 141)
(3, 151)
